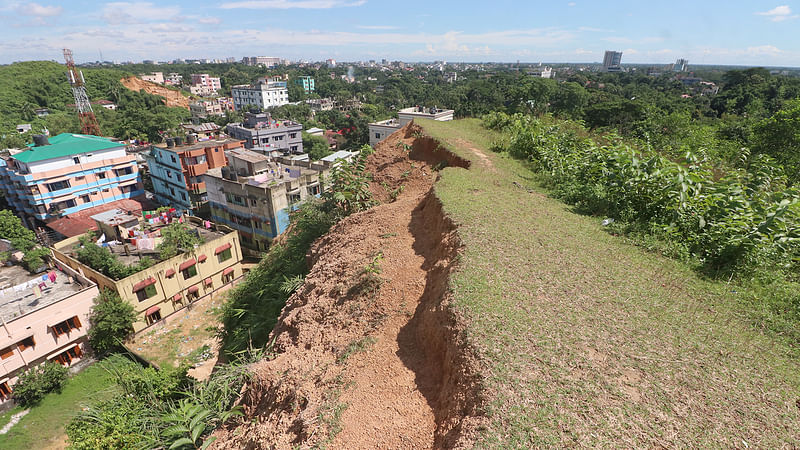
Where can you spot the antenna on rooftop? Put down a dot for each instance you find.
(89, 123)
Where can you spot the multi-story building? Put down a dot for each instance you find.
(378, 131)
(177, 169)
(321, 104)
(612, 61)
(170, 284)
(331, 63)
(254, 194)
(153, 77)
(66, 174)
(214, 107)
(45, 318)
(264, 94)
(173, 79)
(307, 83)
(681, 65)
(266, 61)
(261, 133)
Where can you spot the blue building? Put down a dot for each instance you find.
(307, 83)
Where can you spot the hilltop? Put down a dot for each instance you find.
(470, 309)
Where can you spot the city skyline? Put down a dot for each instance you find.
(353, 30)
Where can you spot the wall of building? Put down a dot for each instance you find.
(167, 287)
(379, 132)
(37, 324)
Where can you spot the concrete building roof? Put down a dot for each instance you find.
(66, 144)
(80, 222)
(115, 217)
(247, 155)
(16, 303)
(341, 154)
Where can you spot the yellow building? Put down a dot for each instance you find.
(168, 285)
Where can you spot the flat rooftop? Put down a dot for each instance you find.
(247, 155)
(80, 222)
(197, 145)
(16, 303)
(388, 123)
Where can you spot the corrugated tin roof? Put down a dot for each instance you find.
(66, 144)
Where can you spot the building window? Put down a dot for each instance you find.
(66, 357)
(224, 255)
(76, 160)
(5, 391)
(85, 198)
(26, 343)
(123, 172)
(377, 135)
(153, 317)
(169, 174)
(147, 292)
(183, 196)
(7, 352)
(253, 202)
(106, 190)
(57, 186)
(66, 326)
(79, 178)
(101, 175)
(292, 135)
(189, 272)
(172, 157)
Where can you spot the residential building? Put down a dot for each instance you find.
(406, 115)
(266, 61)
(170, 284)
(378, 131)
(203, 131)
(45, 318)
(204, 84)
(66, 174)
(331, 63)
(255, 194)
(542, 72)
(153, 77)
(262, 133)
(320, 104)
(41, 112)
(612, 61)
(177, 169)
(264, 94)
(681, 65)
(213, 107)
(173, 79)
(451, 77)
(23, 128)
(307, 83)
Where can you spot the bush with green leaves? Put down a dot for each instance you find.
(103, 261)
(177, 237)
(36, 382)
(112, 321)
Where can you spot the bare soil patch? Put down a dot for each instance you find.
(172, 98)
(370, 358)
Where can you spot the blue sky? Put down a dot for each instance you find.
(712, 32)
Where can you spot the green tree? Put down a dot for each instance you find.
(11, 228)
(779, 137)
(176, 237)
(38, 381)
(316, 146)
(111, 320)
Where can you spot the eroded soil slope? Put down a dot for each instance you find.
(172, 98)
(368, 352)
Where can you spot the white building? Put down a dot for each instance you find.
(264, 94)
(174, 79)
(378, 131)
(204, 84)
(154, 77)
(406, 115)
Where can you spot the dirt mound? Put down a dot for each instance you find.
(172, 98)
(368, 350)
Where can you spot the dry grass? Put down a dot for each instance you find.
(589, 341)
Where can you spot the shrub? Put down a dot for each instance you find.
(37, 382)
(176, 237)
(112, 321)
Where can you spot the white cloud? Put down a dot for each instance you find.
(377, 27)
(761, 50)
(595, 30)
(289, 4)
(140, 12)
(209, 20)
(779, 13)
(571, 4)
(35, 9)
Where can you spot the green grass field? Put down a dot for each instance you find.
(586, 340)
(43, 426)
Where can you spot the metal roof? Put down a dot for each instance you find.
(66, 144)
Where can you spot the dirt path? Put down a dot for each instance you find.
(386, 406)
(478, 152)
(365, 355)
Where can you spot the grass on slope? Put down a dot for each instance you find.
(589, 341)
(43, 426)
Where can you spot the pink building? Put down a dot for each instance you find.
(204, 84)
(44, 318)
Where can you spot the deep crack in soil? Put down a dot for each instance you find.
(372, 360)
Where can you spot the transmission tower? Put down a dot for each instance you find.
(89, 123)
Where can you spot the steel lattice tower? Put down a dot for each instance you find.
(89, 123)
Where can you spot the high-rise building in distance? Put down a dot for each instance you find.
(612, 61)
